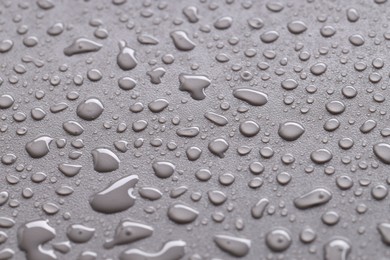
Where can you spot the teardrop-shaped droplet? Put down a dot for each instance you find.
(104, 160)
(82, 45)
(313, 198)
(116, 197)
(194, 84)
(78, 233)
(126, 58)
(127, 232)
(182, 214)
(235, 246)
(252, 97)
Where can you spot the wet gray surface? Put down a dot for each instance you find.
(194, 129)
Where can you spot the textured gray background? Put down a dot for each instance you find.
(76, 15)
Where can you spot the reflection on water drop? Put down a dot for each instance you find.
(116, 197)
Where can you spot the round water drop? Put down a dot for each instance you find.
(158, 105)
(193, 153)
(269, 36)
(203, 174)
(278, 239)
(6, 45)
(216, 197)
(327, 31)
(290, 131)
(283, 178)
(344, 182)
(274, 6)
(6, 101)
(352, 15)
(249, 128)
(331, 124)
(335, 107)
(94, 75)
(90, 109)
(318, 68)
(255, 23)
(379, 192)
(330, 218)
(223, 23)
(356, 39)
(349, 92)
(367, 126)
(289, 84)
(321, 156)
(307, 235)
(50, 208)
(226, 179)
(126, 83)
(163, 169)
(296, 27)
(55, 29)
(382, 151)
(337, 248)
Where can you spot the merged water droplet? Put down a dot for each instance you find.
(82, 45)
(128, 232)
(126, 58)
(181, 41)
(218, 147)
(194, 84)
(337, 249)
(172, 250)
(116, 197)
(31, 238)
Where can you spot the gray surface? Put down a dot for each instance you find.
(340, 58)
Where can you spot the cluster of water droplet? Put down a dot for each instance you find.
(198, 129)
